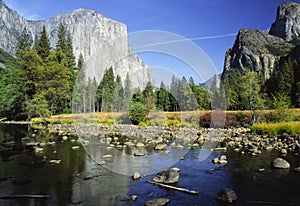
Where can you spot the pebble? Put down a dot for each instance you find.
(75, 148)
(136, 176)
(133, 197)
(139, 144)
(65, 138)
(55, 162)
(138, 154)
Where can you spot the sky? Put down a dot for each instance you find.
(212, 25)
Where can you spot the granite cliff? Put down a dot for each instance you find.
(102, 41)
(262, 52)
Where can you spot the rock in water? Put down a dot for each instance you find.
(157, 202)
(168, 176)
(160, 146)
(136, 176)
(281, 163)
(227, 195)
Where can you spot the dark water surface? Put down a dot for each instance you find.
(79, 180)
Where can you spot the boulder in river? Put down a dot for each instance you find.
(157, 202)
(281, 163)
(168, 176)
(160, 146)
(227, 195)
(136, 176)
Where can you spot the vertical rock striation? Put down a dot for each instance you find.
(262, 52)
(102, 41)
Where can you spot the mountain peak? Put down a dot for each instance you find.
(287, 23)
(102, 41)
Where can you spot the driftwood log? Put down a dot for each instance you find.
(24, 196)
(174, 188)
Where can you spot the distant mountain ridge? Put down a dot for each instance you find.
(102, 41)
(262, 52)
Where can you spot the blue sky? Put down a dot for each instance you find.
(211, 24)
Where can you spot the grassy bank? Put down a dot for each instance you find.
(277, 128)
(184, 119)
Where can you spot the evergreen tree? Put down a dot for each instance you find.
(61, 38)
(105, 91)
(174, 94)
(43, 47)
(79, 93)
(118, 95)
(148, 96)
(163, 98)
(57, 82)
(69, 51)
(127, 92)
(23, 42)
(12, 97)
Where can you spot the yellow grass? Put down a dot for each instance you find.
(277, 128)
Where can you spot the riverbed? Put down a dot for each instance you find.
(79, 179)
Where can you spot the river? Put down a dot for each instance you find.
(80, 180)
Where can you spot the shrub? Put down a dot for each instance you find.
(172, 123)
(137, 113)
(282, 109)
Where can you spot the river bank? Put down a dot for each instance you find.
(239, 139)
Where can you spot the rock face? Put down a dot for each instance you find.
(102, 41)
(261, 52)
(287, 24)
(257, 51)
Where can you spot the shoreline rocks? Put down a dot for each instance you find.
(240, 140)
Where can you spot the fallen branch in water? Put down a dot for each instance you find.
(175, 188)
(267, 203)
(24, 196)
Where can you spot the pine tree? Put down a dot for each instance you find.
(79, 93)
(61, 38)
(164, 97)
(127, 92)
(23, 42)
(174, 94)
(43, 47)
(69, 51)
(148, 96)
(118, 95)
(57, 82)
(105, 91)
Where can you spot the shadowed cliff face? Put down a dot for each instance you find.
(287, 24)
(258, 51)
(102, 41)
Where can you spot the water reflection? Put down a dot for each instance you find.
(79, 180)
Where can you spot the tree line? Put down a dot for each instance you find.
(43, 81)
(40, 80)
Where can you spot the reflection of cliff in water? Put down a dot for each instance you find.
(54, 180)
(98, 186)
